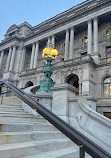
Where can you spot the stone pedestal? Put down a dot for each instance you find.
(43, 98)
(61, 93)
(10, 76)
(96, 57)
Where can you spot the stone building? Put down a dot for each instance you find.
(82, 36)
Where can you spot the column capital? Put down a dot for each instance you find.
(72, 27)
(37, 42)
(14, 46)
(2, 51)
(53, 35)
(89, 21)
(95, 18)
(10, 46)
(67, 30)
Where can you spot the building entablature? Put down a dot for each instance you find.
(62, 65)
(44, 33)
(9, 43)
(71, 14)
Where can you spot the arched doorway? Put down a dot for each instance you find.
(73, 80)
(29, 84)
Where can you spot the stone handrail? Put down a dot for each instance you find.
(94, 124)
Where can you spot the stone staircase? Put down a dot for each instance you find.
(25, 136)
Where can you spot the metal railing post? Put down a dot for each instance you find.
(81, 151)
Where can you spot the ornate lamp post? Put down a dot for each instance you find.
(49, 53)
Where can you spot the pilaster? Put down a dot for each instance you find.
(1, 58)
(12, 59)
(36, 54)
(66, 45)
(23, 59)
(53, 40)
(32, 56)
(95, 21)
(89, 48)
(9, 58)
(71, 43)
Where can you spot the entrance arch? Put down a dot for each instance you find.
(73, 80)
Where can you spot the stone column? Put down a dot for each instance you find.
(23, 59)
(1, 59)
(49, 40)
(66, 45)
(95, 35)
(89, 48)
(53, 40)
(9, 58)
(32, 56)
(71, 43)
(12, 58)
(36, 54)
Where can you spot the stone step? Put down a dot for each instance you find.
(32, 148)
(8, 98)
(21, 111)
(17, 113)
(10, 105)
(22, 120)
(11, 109)
(17, 137)
(11, 102)
(69, 152)
(25, 127)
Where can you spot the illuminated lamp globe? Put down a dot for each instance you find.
(54, 52)
(46, 51)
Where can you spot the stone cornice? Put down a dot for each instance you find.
(9, 40)
(61, 65)
(65, 17)
(44, 34)
(74, 62)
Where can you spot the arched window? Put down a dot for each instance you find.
(107, 87)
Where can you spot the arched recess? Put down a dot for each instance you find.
(29, 84)
(73, 80)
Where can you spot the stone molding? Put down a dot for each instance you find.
(42, 94)
(49, 32)
(64, 87)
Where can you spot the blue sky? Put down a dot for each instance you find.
(32, 11)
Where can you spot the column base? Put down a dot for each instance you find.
(96, 57)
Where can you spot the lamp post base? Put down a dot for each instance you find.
(47, 82)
